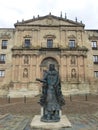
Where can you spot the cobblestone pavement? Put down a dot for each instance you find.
(83, 115)
(79, 122)
(12, 122)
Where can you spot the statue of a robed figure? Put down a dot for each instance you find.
(51, 99)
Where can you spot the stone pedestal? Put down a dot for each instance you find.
(44, 118)
(36, 124)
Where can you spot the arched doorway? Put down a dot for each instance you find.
(45, 65)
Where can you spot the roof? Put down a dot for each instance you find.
(50, 20)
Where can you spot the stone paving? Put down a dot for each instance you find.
(12, 122)
(83, 115)
(79, 122)
(84, 122)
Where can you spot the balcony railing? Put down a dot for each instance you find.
(94, 48)
(2, 62)
(44, 45)
(95, 62)
(4, 47)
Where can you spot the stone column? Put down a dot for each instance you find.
(63, 68)
(68, 68)
(31, 68)
(13, 68)
(62, 71)
(81, 69)
(62, 38)
(35, 37)
(20, 69)
(37, 67)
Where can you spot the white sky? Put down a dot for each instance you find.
(13, 10)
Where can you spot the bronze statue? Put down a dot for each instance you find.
(51, 99)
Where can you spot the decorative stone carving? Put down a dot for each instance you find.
(26, 59)
(25, 73)
(73, 73)
(5, 35)
(27, 36)
(71, 37)
(52, 36)
(73, 60)
(93, 37)
(49, 21)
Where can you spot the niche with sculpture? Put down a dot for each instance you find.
(26, 59)
(73, 73)
(25, 73)
(73, 60)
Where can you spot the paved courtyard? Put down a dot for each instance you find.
(82, 111)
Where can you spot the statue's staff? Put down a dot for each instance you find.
(43, 81)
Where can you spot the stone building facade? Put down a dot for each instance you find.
(27, 50)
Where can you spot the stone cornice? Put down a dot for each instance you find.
(74, 53)
(5, 36)
(24, 51)
(50, 36)
(93, 37)
(77, 51)
(77, 48)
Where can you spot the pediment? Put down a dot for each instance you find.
(49, 20)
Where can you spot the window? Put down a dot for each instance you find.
(96, 74)
(49, 43)
(94, 44)
(4, 44)
(95, 59)
(2, 73)
(27, 43)
(72, 44)
(2, 58)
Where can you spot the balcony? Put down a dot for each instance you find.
(94, 48)
(4, 47)
(95, 62)
(2, 62)
(54, 47)
(44, 45)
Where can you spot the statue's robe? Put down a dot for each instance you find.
(52, 98)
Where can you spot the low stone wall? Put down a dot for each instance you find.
(94, 88)
(3, 93)
(73, 89)
(35, 89)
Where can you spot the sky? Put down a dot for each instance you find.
(13, 10)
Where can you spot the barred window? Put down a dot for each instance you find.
(94, 44)
(4, 44)
(2, 58)
(2, 73)
(49, 43)
(72, 43)
(27, 43)
(96, 74)
(95, 58)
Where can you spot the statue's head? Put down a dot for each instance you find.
(51, 67)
